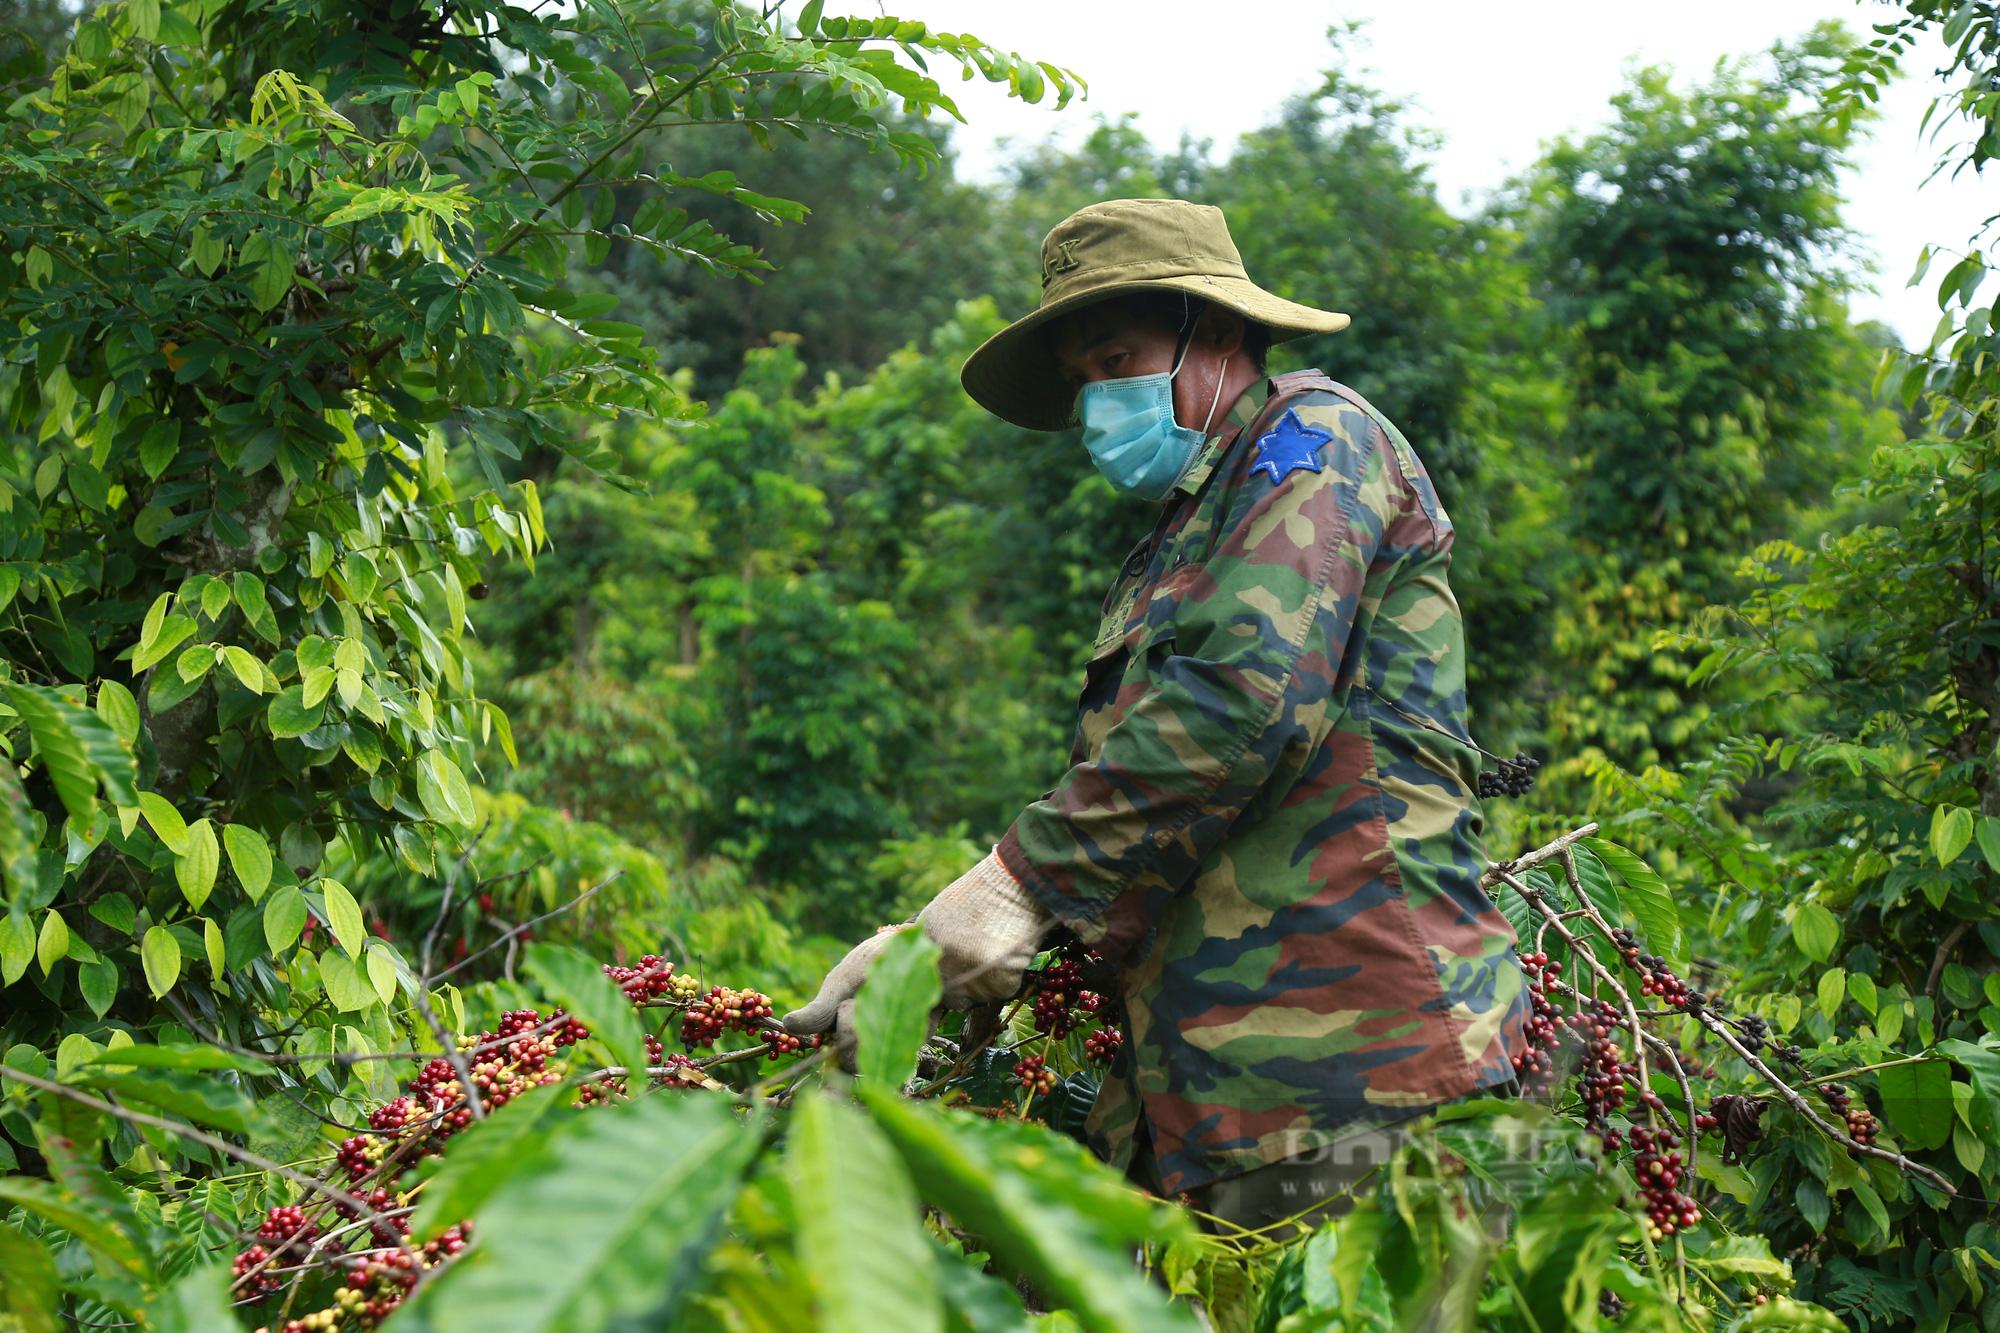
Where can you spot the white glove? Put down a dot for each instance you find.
(987, 928)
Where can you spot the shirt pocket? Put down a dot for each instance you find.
(1139, 620)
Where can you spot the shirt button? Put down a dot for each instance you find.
(1161, 837)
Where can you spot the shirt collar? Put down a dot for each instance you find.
(1241, 413)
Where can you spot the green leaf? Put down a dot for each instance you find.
(175, 631)
(195, 662)
(195, 870)
(288, 715)
(1742, 1254)
(1046, 1208)
(94, 1229)
(17, 946)
(1862, 987)
(1871, 1202)
(196, 1096)
(72, 1051)
(443, 790)
(177, 1057)
(161, 957)
(1983, 1063)
(119, 710)
(284, 918)
(78, 750)
(578, 984)
(20, 844)
(165, 821)
(270, 268)
(1989, 840)
(345, 984)
(212, 945)
(1916, 1101)
(243, 664)
(381, 961)
(53, 945)
(205, 247)
(196, 1303)
(1832, 990)
(214, 599)
(485, 1156)
(1816, 931)
(1951, 832)
(256, 606)
(859, 1224)
(343, 916)
(249, 857)
(627, 1195)
(1647, 896)
(116, 911)
(30, 1293)
(892, 1011)
(98, 982)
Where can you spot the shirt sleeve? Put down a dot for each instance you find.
(1244, 665)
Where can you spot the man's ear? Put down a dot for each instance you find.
(1222, 329)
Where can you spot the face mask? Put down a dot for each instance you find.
(1129, 429)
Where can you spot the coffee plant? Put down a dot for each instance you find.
(307, 1026)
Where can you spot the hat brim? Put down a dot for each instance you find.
(1014, 374)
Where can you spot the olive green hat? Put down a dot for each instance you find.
(1121, 245)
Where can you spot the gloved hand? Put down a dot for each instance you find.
(986, 927)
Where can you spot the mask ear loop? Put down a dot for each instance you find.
(1187, 344)
(1217, 400)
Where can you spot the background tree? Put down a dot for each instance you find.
(1684, 263)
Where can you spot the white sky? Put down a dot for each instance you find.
(1496, 80)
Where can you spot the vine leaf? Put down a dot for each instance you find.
(195, 868)
(249, 857)
(1816, 931)
(1951, 832)
(160, 953)
(343, 917)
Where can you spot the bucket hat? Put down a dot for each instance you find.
(1104, 250)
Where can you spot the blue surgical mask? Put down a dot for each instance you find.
(1129, 429)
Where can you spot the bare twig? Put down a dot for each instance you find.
(1499, 870)
(201, 1136)
(508, 936)
(1945, 946)
(1798, 1103)
(1624, 996)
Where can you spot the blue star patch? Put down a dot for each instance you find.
(1288, 447)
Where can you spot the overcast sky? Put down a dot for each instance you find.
(1496, 80)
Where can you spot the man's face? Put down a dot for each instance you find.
(1118, 340)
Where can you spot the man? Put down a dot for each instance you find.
(1269, 819)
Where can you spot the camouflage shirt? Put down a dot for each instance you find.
(1286, 867)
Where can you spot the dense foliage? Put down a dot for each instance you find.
(498, 583)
